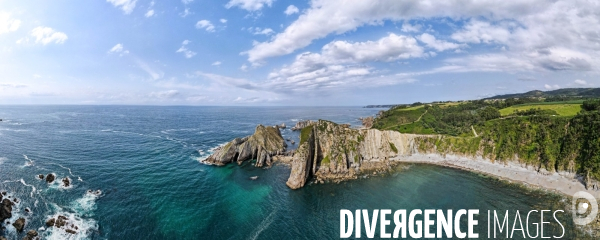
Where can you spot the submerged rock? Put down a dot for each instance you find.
(50, 178)
(19, 224)
(262, 145)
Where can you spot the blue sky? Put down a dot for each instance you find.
(275, 52)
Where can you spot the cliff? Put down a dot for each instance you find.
(265, 143)
(330, 151)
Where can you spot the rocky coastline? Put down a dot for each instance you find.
(331, 152)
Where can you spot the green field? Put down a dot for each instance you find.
(563, 109)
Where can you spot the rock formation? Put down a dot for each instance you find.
(302, 124)
(66, 182)
(5, 209)
(19, 224)
(31, 234)
(50, 178)
(330, 151)
(262, 145)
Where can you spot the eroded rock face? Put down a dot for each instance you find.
(19, 224)
(265, 143)
(330, 151)
(302, 124)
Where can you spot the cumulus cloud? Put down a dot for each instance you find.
(206, 25)
(546, 35)
(551, 87)
(342, 62)
(439, 45)
(217, 63)
(291, 9)
(580, 82)
(46, 35)
(126, 5)
(223, 20)
(8, 24)
(406, 27)
(249, 5)
(186, 52)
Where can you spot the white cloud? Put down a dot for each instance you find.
(116, 49)
(169, 94)
(206, 25)
(439, 45)
(154, 74)
(249, 5)
(223, 20)
(185, 12)
(45, 35)
(217, 63)
(523, 28)
(126, 5)
(580, 82)
(291, 9)
(150, 13)
(244, 67)
(186, 1)
(259, 31)
(551, 87)
(406, 27)
(183, 49)
(8, 24)
(341, 63)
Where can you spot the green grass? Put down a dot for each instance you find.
(563, 108)
(304, 134)
(396, 117)
(393, 147)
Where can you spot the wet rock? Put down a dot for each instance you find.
(41, 176)
(282, 126)
(61, 221)
(66, 182)
(71, 231)
(31, 234)
(27, 210)
(5, 210)
(19, 224)
(50, 222)
(2, 238)
(50, 178)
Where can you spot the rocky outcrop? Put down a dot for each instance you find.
(66, 182)
(50, 178)
(265, 143)
(330, 151)
(31, 234)
(19, 224)
(5, 209)
(302, 124)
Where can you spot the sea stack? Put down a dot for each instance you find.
(262, 145)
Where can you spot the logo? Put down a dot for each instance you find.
(585, 208)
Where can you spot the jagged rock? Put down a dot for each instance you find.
(71, 231)
(60, 221)
(282, 126)
(31, 234)
(262, 145)
(50, 178)
(332, 151)
(19, 224)
(41, 176)
(66, 182)
(302, 124)
(5, 209)
(50, 222)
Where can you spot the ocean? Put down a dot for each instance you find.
(145, 162)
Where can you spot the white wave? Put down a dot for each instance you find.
(29, 162)
(2, 159)
(71, 173)
(29, 185)
(263, 225)
(78, 218)
(205, 154)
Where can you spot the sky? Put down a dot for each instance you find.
(288, 53)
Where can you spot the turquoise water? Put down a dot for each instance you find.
(145, 162)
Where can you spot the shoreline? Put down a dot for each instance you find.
(557, 182)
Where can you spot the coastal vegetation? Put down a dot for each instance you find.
(553, 135)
